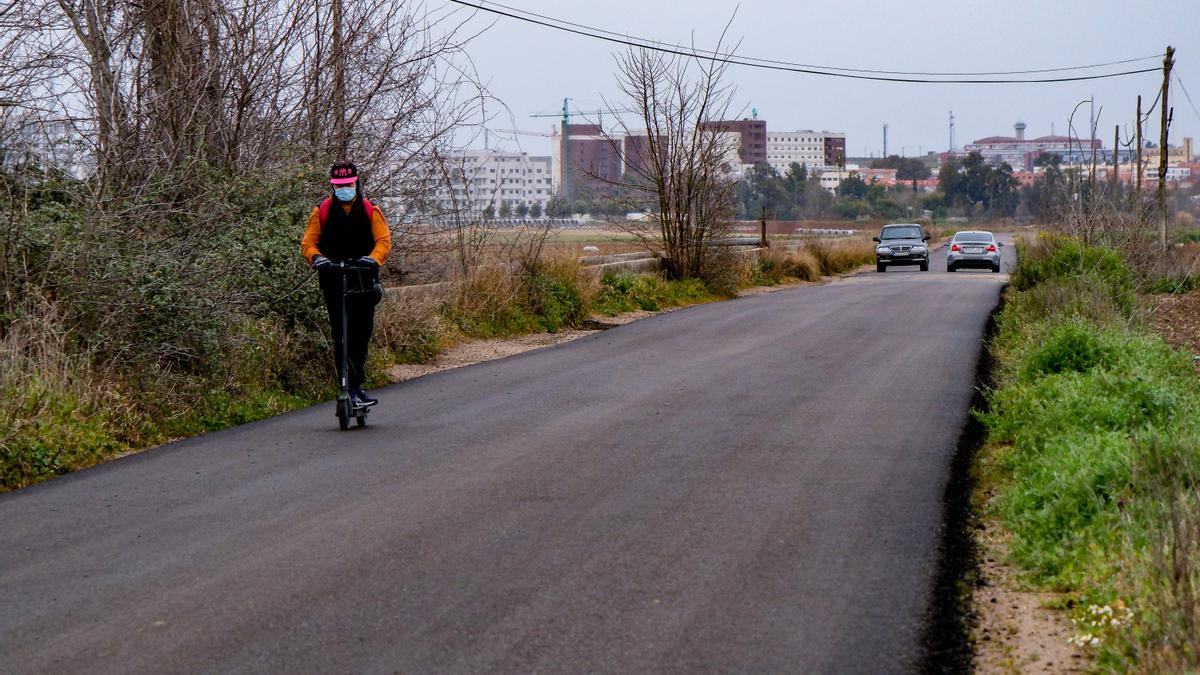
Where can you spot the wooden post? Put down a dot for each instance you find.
(1092, 181)
(763, 221)
(1168, 61)
(1115, 178)
(1137, 169)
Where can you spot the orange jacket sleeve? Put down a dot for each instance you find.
(379, 230)
(312, 235)
(382, 234)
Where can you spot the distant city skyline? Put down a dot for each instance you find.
(531, 68)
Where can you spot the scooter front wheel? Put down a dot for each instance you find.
(343, 414)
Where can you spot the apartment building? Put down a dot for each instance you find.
(807, 147)
(482, 178)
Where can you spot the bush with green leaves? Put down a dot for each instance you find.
(1057, 257)
(1088, 423)
(621, 292)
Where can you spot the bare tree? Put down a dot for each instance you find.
(680, 164)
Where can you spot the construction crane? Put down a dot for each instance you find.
(487, 133)
(565, 115)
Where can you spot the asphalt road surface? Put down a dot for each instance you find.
(749, 486)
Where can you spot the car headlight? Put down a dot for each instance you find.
(918, 249)
(883, 249)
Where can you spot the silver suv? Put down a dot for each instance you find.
(973, 249)
(901, 244)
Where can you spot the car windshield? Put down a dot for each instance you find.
(903, 232)
(973, 237)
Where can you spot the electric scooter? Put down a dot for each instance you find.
(347, 407)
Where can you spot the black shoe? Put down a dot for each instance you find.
(362, 398)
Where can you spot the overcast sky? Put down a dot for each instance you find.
(531, 68)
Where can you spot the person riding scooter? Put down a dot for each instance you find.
(347, 227)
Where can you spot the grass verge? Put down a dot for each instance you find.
(1093, 457)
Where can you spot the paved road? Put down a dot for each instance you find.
(745, 486)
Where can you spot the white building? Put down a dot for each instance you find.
(811, 148)
(482, 178)
(47, 145)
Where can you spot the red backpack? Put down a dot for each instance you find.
(323, 209)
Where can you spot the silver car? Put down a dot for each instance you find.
(973, 249)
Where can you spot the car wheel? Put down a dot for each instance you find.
(996, 269)
(949, 268)
(880, 267)
(925, 266)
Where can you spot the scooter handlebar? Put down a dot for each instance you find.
(351, 264)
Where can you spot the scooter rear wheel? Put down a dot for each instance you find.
(362, 419)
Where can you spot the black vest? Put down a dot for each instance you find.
(345, 236)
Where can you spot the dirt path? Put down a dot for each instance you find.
(1017, 631)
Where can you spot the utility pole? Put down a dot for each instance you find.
(1138, 159)
(1092, 117)
(885, 141)
(1115, 178)
(952, 132)
(1168, 62)
(1093, 176)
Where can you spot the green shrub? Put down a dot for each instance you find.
(1056, 257)
(1179, 284)
(1070, 346)
(557, 303)
(621, 292)
(1085, 296)
(1063, 502)
(46, 430)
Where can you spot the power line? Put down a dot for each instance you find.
(707, 52)
(761, 64)
(1187, 95)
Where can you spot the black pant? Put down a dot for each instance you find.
(360, 320)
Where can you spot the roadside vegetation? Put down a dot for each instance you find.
(68, 403)
(153, 290)
(1094, 455)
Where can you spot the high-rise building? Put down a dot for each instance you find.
(752, 148)
(809, 148)
(586, 161)
(635, 151)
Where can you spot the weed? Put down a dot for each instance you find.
(621, 292)
(1094, 456)
(843, 255)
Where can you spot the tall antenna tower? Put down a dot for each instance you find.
(885, 141)
(952, 131)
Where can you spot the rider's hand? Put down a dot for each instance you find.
(321, 262)
(368, 261)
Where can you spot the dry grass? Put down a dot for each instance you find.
(410, 329)
(841, 255)
(1166, 635)
(56, 415)
(778, 265)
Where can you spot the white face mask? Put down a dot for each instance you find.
(345, 194)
